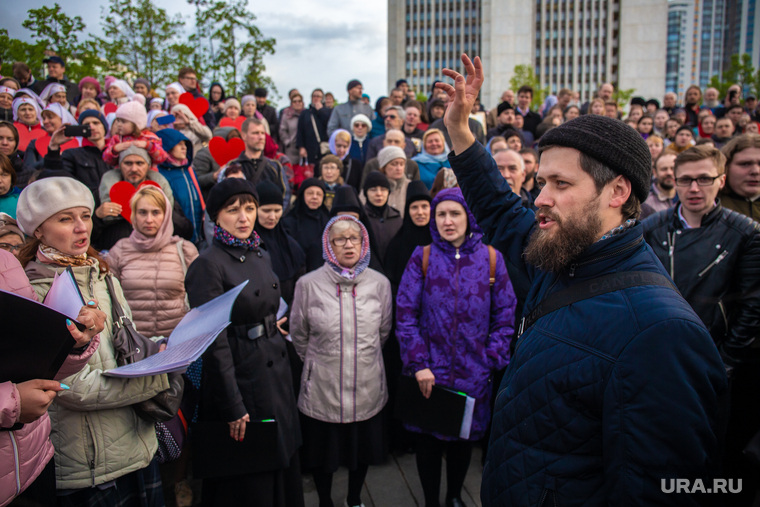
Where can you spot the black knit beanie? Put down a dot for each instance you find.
(224, 190)
(504, 106)
(417, 191)
(269, 193)
(346, 201)
(375, 179)
(611, 142)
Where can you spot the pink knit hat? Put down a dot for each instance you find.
(91, 81)
(134, 112)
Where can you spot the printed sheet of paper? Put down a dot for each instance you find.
(189, 340)
(64, 295)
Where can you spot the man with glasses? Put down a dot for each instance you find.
(11, 237)
(394, 118)
(712, 255)
(189, 81)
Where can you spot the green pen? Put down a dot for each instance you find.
(267, 420)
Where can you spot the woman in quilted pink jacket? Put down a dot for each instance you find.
(26, 468)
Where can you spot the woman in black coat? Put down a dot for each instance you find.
(306, 221)
(246, 373)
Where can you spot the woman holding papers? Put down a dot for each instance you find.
(103, 451)
(26, 469)
(455, 317)
(247, 388)
(151, 264)
(340, 319)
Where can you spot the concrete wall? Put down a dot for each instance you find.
(396, 41)
(643, 42)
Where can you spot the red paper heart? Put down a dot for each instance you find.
(121, 193)
(109, 108)
(224, 151)
(228, 122)
(25, 135)
(198, 105)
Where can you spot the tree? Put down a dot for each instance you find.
(622, 97)
(232, 42)
(525, 75)
(141, 39)
(14, 50)
(741, 72)
(56, 32)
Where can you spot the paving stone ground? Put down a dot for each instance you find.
(395, 484)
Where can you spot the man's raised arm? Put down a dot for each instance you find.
(461, 99)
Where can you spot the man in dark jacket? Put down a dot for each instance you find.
(713, 255)
(85, 163)
(56, 74)
(610, 396)
(256, 167)
(268, 112)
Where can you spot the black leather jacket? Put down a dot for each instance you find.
(717, 269)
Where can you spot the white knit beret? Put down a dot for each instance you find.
(46, 197)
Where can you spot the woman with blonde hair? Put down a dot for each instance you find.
(434, 156)
(151, 264)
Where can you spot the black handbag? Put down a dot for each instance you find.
(130, 347)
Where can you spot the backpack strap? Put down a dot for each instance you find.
(425, 260)
(491, 265)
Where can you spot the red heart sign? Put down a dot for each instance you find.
(121, 193)
(198, 105)
(25, 135)
(109, 108)
(228, 122)
(224, 151)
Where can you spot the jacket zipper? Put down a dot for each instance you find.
(15, 458)
(717, 260)
(723, 314)
(573, 267)
(671, 252)
(456, 320)
(340, 302)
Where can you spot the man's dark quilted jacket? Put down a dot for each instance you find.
(605, 397)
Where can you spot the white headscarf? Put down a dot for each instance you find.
(51, 90)
(17, 103)
(63, 113)
(123, 86)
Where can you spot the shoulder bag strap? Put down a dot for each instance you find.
(116, 310)
(314, 124)
(181, 253)
(592, 288)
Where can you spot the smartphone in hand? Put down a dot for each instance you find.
(77, 131)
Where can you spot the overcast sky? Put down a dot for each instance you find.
(320, 43)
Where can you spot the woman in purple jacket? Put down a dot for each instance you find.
(454, 326)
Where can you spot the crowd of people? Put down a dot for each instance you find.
(435, 240)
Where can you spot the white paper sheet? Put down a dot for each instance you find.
(189, 340)
(64, 296)
(469, 408)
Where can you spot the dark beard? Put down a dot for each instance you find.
(574, 234)
(666, 185)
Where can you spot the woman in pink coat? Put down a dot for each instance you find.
(26, 468)
(151, 264)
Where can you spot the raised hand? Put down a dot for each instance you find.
(462, 95)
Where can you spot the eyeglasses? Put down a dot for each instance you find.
(355, 240)
(702, 181)
(390, 117)
(10, 248)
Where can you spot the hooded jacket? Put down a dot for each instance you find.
(604, 397)
(25, 451)
(338, 327)
(97, 435)
(452, 320)
(181, 178)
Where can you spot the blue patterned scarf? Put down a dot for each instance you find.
(224, 237)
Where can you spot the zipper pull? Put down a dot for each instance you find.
(457, 255)
(571, 273)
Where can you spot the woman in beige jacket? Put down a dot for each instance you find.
(340, 319)
(151, 264)
(104, 452)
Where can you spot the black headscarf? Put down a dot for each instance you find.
(408, 238)
(306, 225)
(221, 99)
(288, 258)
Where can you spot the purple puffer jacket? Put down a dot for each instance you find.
(26, 451)
(451, 321)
